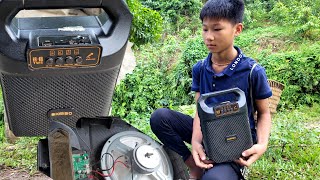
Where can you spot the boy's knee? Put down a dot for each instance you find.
(211, 176)
(220, 172)
(157, 117)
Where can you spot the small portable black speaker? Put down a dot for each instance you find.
(60, 68)
(224, 125)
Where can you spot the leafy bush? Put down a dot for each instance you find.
(175, 12)
(307, 23)
(280, 13)
(2, 136)
(248, 21)
(299, 71)
(302, 15)
(147, 23)
(255, 14)
(148, 87)
(194, 51)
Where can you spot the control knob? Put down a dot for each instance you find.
(59, 61)
(69, 60)
(49, 61)
(79, 60)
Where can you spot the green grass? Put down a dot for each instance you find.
(294, 149)
(22, 154)
(2, 137)
(269, 39)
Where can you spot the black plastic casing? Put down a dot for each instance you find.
(30, 93)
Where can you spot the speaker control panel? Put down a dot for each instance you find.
(226, 109)
(64, 52)
(64, 57)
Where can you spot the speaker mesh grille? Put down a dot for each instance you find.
(217, 131)
(28, 99)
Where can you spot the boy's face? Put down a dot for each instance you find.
(218, 35)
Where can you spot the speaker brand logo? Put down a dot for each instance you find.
(55, 113)
(231, 138)
(62, 114)
(90, 57)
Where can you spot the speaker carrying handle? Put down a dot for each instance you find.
(117, 11)
(202, 99)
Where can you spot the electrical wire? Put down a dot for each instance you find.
(92, 177)
(121, 163)
(113, 169)
(104, 175)
(113, 161)
(119, 157)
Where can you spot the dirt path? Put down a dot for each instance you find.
(18, 174)
(314, 125)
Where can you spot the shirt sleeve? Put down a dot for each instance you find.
(261, 89)
(196, 69)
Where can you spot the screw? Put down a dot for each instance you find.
(148, 155)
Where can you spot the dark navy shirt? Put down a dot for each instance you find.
(205, 80)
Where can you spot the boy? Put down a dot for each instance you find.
(225, 67)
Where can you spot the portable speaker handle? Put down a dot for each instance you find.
(204, 97)
(116, 9)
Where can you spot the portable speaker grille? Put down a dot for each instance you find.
(217, 133)
(30, 99)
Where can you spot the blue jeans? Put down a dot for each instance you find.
(173, 129)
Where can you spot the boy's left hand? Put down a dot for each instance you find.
(251, 155)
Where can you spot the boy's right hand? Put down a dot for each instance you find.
(200, 157)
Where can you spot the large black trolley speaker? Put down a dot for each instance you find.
(225, 125)
(59, 68)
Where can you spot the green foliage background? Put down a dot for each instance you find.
(147, 25)
(282, 35)
(177, 14)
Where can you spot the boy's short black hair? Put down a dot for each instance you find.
(231, 10)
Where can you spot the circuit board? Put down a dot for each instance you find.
(81, 165)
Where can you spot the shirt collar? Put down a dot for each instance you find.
(231, 68)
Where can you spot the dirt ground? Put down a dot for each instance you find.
(7, 173)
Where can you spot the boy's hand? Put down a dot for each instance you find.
(251, 155)
(200, 157)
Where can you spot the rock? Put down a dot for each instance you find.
(128, 64)
(11, 138)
